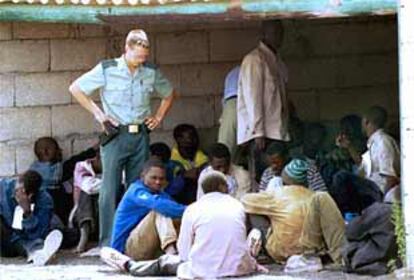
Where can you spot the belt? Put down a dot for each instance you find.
(131, 128)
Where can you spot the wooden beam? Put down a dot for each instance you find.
(196, 11)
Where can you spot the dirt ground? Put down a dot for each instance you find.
(68, 266)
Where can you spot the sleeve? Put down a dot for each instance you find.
(253, 82)
(315, 180)
(186, 236)
(244, 183)
(388, 155)
(37, 225)
(92, 80)
(69, 164)
(161, 84)
(159, 203)
(261, 203)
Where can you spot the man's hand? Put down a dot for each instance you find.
(23, 200)
(343, 141)
(152, 122)
(106, 122)
(191, 174)
(260, 143)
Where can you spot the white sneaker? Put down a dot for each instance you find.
(50, 247)
(254, 242)
(302, 263)
(114, 258)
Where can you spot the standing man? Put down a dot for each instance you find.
(228, 120)
(126, 85)
(262, 106)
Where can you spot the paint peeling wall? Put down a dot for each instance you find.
(336, 66)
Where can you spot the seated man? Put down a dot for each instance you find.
(25, 214)
(87, 182)
(212, 241)
(301, 222)
(143, 225)
(56, 173)
(304, 173)
(174, 170)
(276, 156)
(238, 179)
(379, 167)
(187, 153)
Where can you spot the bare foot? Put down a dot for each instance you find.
(171, 250)
(84, 238)
(260, 268)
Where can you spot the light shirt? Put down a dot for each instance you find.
(382, 158)
(262, 103)
(212, 241)
(124, 96)
(238, 181)
(231, 83)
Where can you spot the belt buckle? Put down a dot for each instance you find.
(133, 128)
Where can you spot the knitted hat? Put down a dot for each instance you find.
(297, 170)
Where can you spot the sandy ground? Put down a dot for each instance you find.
(68, 266)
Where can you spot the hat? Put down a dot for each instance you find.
(297, 170)
(137, 36)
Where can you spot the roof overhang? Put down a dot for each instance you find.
(133, 11)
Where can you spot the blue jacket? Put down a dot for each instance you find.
(136, 203)
(175, 178)
(34, 227)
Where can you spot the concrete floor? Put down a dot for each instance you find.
(68, 266)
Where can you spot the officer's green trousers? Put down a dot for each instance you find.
(127, 152)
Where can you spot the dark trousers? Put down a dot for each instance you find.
(17, 248)
(63, 203)
(353, 193)
(87, 211)
(127, 151)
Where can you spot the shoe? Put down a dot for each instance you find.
(302, 263)
(50, 247)
(254, 242)
(114, 258)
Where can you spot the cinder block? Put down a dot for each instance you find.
(7, 160)
(72, 119)
(208, 136)
(367, 70)
(84, 143)
(232, 45)
(24, 56)
(34, 30)
(94, 30)
(7, 91)
(43, 89)
(306, 104)
(24, 157)
(188, 47)
(172, 73)
(5, 31)
(312, 73)
(24, 123)
(76, 54)
(218, 109)
(197, 111)
(334, 104)
(204, 79)
(166, 137)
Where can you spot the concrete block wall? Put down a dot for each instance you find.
(336, 66)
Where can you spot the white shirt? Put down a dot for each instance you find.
(381, 158)
(212, 241)
(262, 104)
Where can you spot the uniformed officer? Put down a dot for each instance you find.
(126, 86)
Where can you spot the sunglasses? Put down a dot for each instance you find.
(139, 42)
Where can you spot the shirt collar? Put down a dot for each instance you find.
(373, 137)
(266, 49)
(122, 63)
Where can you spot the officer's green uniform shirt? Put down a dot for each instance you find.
(125, 97)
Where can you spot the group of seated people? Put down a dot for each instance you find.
(196, 215)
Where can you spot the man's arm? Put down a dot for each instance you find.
(166, 103)
(158, 203)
